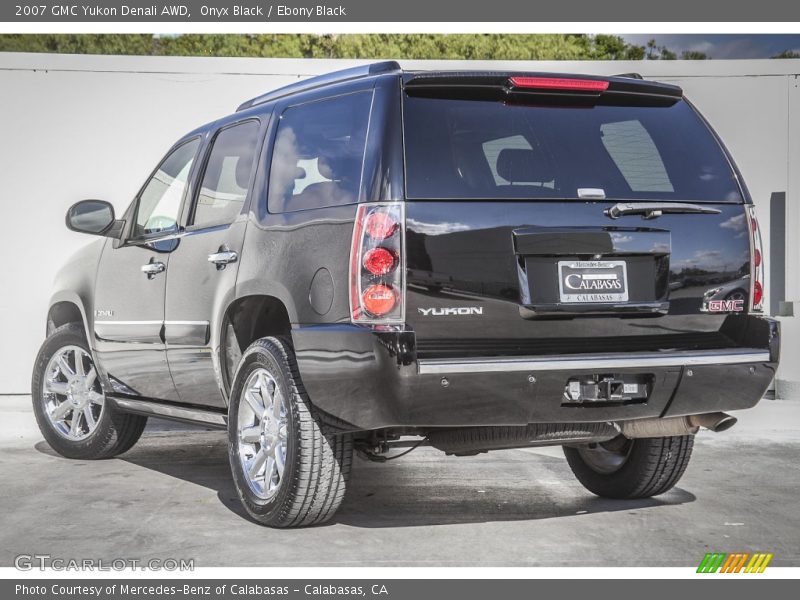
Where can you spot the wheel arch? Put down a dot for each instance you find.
(66, 308)
(247, 319)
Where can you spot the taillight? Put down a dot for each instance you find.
(756, 262)
(377, 274)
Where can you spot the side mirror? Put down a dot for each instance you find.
(95, 217)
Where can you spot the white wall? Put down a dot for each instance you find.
(73, 127)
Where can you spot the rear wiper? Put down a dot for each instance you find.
(653, 210)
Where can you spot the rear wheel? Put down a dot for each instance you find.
(70, 404)
(288, 471)
(627, 469)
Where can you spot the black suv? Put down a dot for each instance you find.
(376, 259)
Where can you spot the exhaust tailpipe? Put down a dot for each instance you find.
(716, 422)
(650, 428)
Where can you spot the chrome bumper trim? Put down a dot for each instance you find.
(169, 411)
(446, 366)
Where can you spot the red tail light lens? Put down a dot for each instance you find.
(758, 293)
(380, 225)
(377, 267)
(757, 267)
(564, 84)
(379, 299)
(379, 261)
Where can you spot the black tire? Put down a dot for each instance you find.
(649, 467)
(116, 432)
(317, 462)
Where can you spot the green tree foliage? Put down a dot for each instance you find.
(787, 54)
(366, 46)
(693, 55)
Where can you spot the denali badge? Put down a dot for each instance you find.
(440, 312)
(593, 281)
(104, 313)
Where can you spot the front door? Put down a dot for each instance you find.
(131, 284)
(202, 273)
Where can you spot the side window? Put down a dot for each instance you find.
(227, 175)
(160, 202)
(318, 153)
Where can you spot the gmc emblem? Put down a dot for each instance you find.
(725, 305)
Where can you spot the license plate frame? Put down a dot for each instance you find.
(593, 281)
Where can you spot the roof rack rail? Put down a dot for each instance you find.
(630, 75)
(322, 80)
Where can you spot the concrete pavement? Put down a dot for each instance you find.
(171, 496)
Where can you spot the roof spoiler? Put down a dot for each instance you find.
(311, 83)
(543, 88)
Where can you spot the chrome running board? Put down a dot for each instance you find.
(171, 411)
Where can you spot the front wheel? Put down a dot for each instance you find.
(288, 471)
(628, 469)
(70, 404)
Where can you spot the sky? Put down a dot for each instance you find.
(721, 46)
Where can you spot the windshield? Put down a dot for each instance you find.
(470, 149)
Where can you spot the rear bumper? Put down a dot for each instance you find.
(373, 379)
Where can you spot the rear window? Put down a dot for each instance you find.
(469, 149)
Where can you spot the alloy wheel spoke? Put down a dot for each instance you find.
(277, 404)
(63, 365)
(89, 416)
(74, 427)
(79, 369)
(91, 377)
(56, 387)
(60, 411)
(250, 435)
(96, 398)
(269, 472)
(280, 459)
(263, 388)
(255, 403)
(257, 464)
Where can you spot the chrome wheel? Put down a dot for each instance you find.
(71, 392)
(261, 431)
(606, 457)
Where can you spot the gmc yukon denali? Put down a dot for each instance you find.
(376, 259)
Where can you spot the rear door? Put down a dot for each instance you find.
(203, 269)
(574, 222)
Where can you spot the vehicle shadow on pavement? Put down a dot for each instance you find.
(425, 490)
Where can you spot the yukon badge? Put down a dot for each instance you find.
(446, 312)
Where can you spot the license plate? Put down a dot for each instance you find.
(593, 281)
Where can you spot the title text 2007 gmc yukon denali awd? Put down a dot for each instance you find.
(376, 258)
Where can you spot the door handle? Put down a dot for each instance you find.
(222, 258)
(153, 268)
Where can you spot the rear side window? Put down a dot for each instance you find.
(471, 149)
(227, 175)
(318, 153)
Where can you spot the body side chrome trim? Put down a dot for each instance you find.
(152, 322)
(169, 411)
(443, 366)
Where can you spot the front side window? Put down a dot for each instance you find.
(227, 175)
(160, 202)
(318, 153)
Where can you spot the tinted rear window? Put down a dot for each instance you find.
(468, 149)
